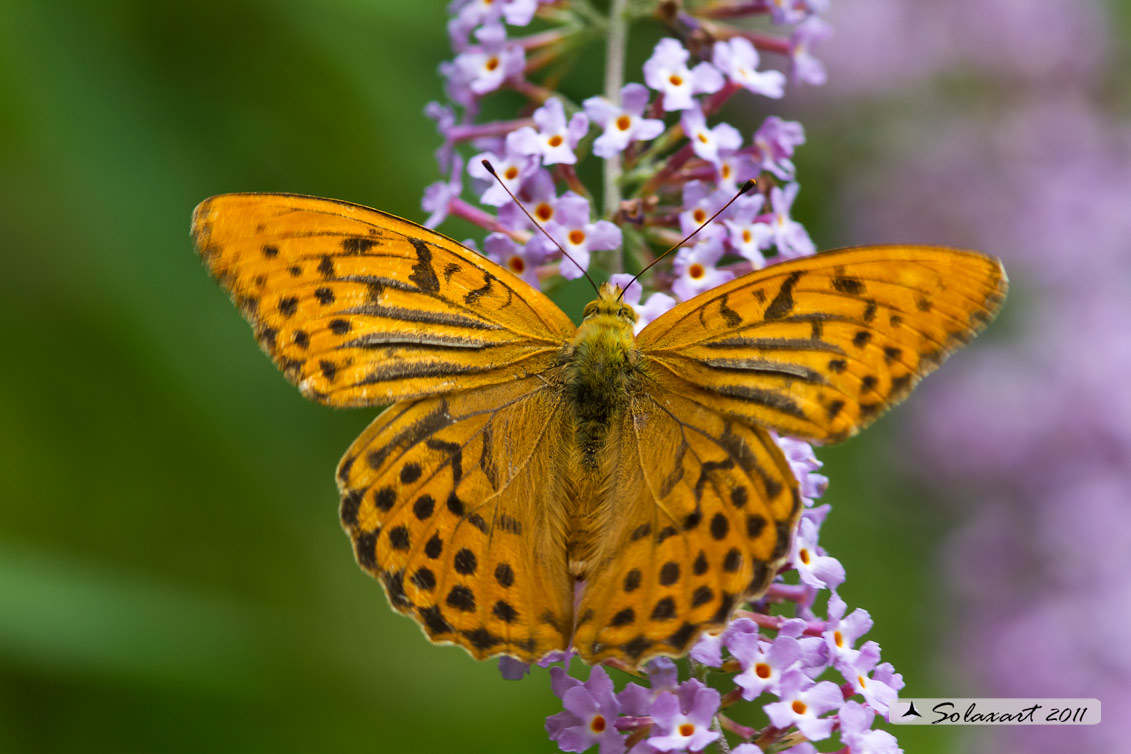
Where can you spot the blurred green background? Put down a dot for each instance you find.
(172, 573)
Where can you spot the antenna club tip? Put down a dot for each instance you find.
(751, 183)
(489, 167)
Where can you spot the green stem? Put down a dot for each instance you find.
(617, 39)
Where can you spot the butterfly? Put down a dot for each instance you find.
(535, 485)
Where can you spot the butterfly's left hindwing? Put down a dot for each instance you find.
(358, 307)
(697, 520)
(454, 503)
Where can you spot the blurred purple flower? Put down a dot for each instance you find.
(763, 662)
(785, 233)
(555, 138)
(856, 731)
(578, 235)
(538, 194)
(804, 68)
(814, 568)
(841, 633)
(521, 260)
(667, 72)
(624, 124)
(804, 464)
(774, 144)
(512, 168)
(738, 59)
(438, 196)
(484, 67)
(708, 142)
(696, 269)
(683, 722)
(876, 692)
(742, 224)
(591, 709)
(802, 704)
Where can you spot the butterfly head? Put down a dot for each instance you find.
(609, 304)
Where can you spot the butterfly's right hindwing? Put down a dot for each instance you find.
(358, 307)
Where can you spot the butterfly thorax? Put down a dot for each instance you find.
(602, 370)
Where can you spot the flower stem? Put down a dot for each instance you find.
(616, 41)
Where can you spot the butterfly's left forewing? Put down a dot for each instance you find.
(358, 307)
(818, 347)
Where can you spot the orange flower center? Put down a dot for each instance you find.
(492, 63)
(544, 212)
(762, 670)
(699, 216)
(555, 141)
(510, 173)
(676, 79)
(725, 172)
(838, 638)
(702, 137)
(576, 237)
(804, 554)
(624, 122)
(799, 706)
(686, 729)
(598, 723)
(696, 271)
(517, 265)
(746, 236)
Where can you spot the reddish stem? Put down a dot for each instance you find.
(460, 208)
(535, 41)
(736, 9)
(740, 8)
(741, 730)
(788, 592)
(765, 42)
(493, 128)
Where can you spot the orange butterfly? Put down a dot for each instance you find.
(537, 485)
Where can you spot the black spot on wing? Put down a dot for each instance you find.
(473, 297)
(848, 285)
(422, 273)
(357, 244)
(365, 547)
(730, 316)
(782, 304)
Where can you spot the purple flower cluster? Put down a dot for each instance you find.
(675, 163)
(670, 166)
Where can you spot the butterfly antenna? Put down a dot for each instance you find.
(742, 190)
(490, 169)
